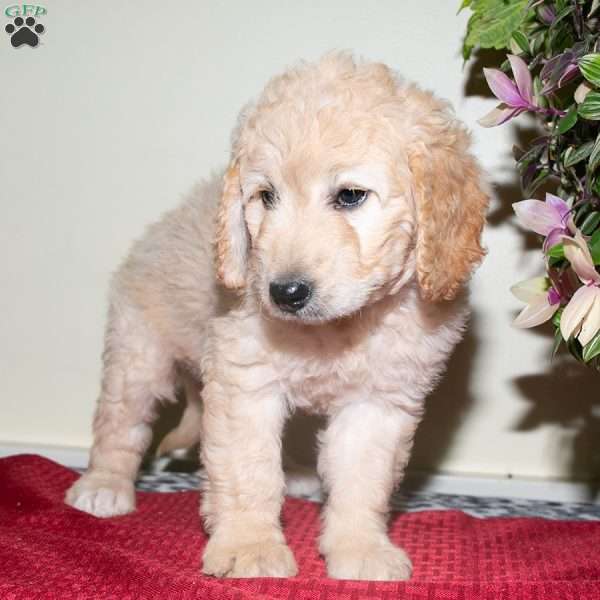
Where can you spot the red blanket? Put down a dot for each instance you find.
(48, 550)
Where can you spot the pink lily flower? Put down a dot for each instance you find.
(551, 218)
(541, 298)
(516, 97)
(581, 317)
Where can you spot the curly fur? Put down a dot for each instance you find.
(388, 307)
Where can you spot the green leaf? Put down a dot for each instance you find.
(468, 47)
(537, 89)
(578, 154)
(592, 348)
(556, 318)
(542, 175)
(590, 223)
(575, 348)
(594, 156)
(590, 108)
(594, 245)
(589, 65)
(561, 15)
(521, 41)
(558, 339)
(557, 251)
(463, 5)
(494, 21)
(537, 41)
(566, 122)
(559, 39)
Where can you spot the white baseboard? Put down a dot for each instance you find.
(550, 490)
(451, 483)
(64, 455)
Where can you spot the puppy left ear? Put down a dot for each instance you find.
(451, 207)
(231, 241)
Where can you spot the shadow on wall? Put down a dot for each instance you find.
(300, 441)
(566, 395)
(475, 83)
(447, 406)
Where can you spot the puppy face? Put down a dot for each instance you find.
(345, 185)
(328, 225)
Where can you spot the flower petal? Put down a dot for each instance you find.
(499, 115)
(537, 216)
(531, 289)
(591, 323)
(576, 310)
(554, 296)
(559, 205)
(578, 254)
(583, 89)
(554, 237)
(536, 313)
(522, 77)
(503, 88)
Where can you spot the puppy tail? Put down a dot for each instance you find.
(187, 433)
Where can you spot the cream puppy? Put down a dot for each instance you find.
(345, 227)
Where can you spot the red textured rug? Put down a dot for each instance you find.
(51, 551)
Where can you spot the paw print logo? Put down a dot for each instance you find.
(24, 32)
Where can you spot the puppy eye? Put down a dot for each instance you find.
(268, 198)
(350, 197)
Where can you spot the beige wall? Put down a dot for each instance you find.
(125, 104)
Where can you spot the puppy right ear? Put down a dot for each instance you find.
(231, 242)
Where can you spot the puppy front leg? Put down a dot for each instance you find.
(241, 451)
(364, 451)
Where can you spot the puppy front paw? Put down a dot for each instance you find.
(260, 559)
(102, 495)
(379, 561)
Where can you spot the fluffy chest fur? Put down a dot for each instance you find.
(393, 353)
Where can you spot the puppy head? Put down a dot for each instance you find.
(344, 186)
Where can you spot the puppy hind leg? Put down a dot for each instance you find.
(138, 371)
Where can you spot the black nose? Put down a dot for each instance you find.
(290, 296)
